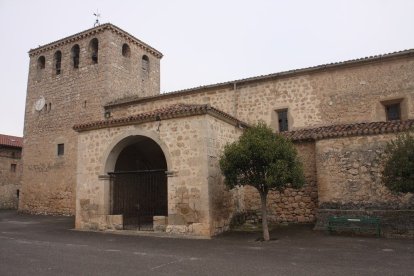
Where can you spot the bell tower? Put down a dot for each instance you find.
(69, 82)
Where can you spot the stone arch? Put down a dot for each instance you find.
(145, 63)
(137, 162)
(94, 49)
(125, 139)
(41, 61)
(75, 52)
(126, 51)
(58, 62)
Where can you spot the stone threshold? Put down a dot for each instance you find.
(146, 234)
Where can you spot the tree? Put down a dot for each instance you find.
(398, 174)
(264, 160)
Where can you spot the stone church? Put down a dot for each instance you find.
(102, 143)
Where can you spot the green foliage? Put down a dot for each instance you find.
(398, 174)
(262, 159)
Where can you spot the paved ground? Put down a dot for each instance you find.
(44, 245)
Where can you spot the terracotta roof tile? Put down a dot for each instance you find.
(172, 111)
(344, 130)
(11, 141)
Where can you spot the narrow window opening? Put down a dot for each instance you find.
(75, 56)
(126, 51)
(94, 47)
(84, 104)
(58, 61)
(41, 62)
(393, 111)
(145, 63)
(50, 106)
(13, 167)
(60, 149)
(282, 117)
(18, 193)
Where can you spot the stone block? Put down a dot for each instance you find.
(177, 229)
(201, 229)
(114, 222)
(160, 223)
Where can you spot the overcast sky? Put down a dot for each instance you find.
(205, 42)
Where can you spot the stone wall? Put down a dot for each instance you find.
(247, 102)
(349, 174)
(292, 205)
(183, 143)
(74, 96)
(340, 95)
(224, 203)
(355, 94)
(126, 76)
(349, 183)
(10, 177)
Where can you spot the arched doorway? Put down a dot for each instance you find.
(139, 183)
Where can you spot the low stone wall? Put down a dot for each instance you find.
(291, 205)
(394, 223)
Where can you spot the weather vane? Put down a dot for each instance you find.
(97, 15)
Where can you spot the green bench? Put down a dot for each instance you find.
(358, 224)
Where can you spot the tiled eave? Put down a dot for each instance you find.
(170, 112)
(347, 130)
(246, 81)
(91, 32)
(11, 141)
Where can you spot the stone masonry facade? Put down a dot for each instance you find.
(10, 171)
(333, 112)
(197, 201)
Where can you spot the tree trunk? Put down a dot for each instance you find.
(265, 227)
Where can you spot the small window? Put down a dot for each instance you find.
(13, 167)
(93, 48)
(393, 111)
(60, 149)
(58, 61)
(126, 51)
(75, 56)
(282, 117)
(41, 61)
(145, 63)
